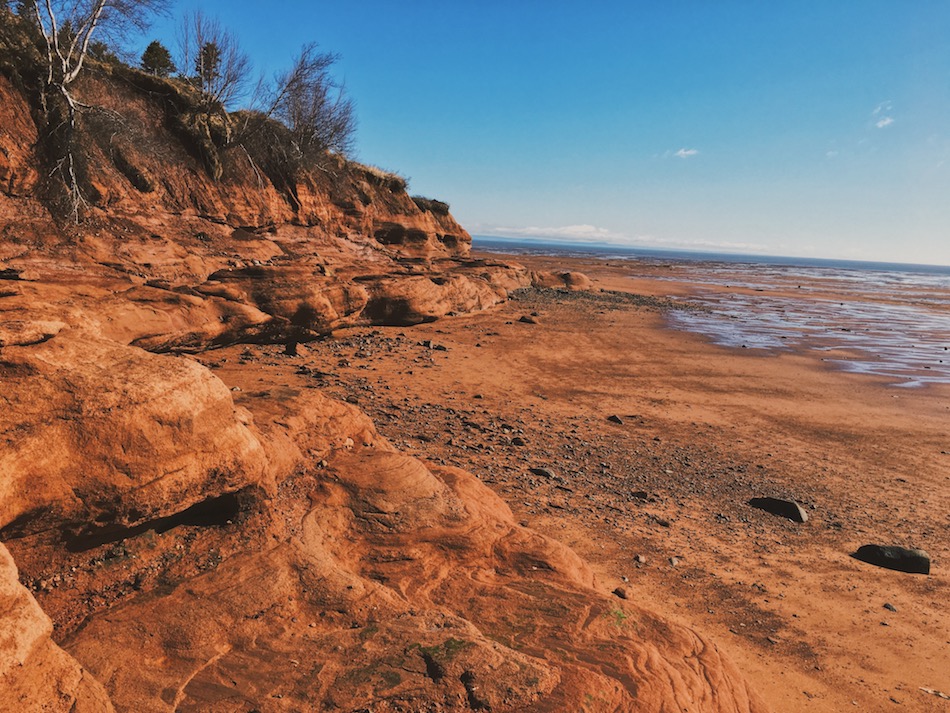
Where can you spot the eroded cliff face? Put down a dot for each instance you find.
(189, 544)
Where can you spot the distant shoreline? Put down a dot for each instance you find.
(521, 246)
(867, 319)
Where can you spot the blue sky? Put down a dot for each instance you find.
(818, 128)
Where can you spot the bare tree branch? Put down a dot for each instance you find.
(66, 52)
(309, 102)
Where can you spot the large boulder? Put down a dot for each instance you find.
(303, 301)
(416, 299)
(98, 434)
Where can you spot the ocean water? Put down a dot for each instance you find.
(885, 319)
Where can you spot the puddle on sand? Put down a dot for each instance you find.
(893, 326)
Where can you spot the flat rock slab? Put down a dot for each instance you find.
(901, 559)
(788, 509)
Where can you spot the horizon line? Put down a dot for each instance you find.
(710, 251)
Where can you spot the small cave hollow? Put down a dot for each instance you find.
(218, 511)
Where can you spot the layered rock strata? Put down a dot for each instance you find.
(186, 545)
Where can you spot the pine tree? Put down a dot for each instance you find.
(208, 65)
(157, 60)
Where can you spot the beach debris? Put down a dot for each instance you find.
(614, 418)
(528, 319)
(788, 509)
(902, 559)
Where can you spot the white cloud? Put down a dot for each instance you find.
(882, 107)
(584, 233)
(831, 154)
(686, 153)
(885, 122)
(593, 234)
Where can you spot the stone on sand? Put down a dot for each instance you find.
(902, 559)
(789, 509)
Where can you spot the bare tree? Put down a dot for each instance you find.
(313, 106)
(309, 102)
(67, 28)
(222, 69)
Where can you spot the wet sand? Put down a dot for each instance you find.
(658, 503)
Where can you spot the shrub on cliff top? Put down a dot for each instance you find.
(380, 177)
(431, 205)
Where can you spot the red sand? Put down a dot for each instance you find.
(704, 429)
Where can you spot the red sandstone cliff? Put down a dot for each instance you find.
(200, 548)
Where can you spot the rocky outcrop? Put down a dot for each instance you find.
(105, 436)
(367, 579)
(35, 674)
(345, 573)
(569, 280)
(263, 548)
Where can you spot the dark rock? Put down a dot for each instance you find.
(544, 473)
(890, 607)
(788, 509)
(518, 441)
(528, 319)
(901, 559)
(620, 592)
(615, 419)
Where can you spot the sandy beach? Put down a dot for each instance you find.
(658, 502)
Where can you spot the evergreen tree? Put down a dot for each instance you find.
(157, 60)
(208, 65)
